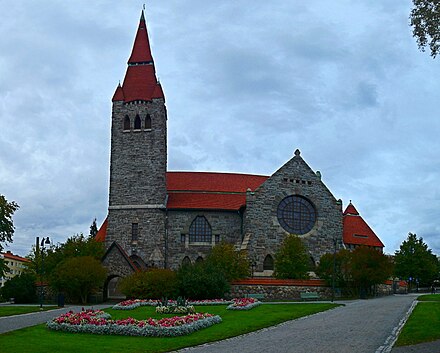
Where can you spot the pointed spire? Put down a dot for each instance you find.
(141, 53)
(140, 82)
(351, 210)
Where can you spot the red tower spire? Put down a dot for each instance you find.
(140, 82)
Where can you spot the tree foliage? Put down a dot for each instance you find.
(151, 284)
(202, 281)
(356, 271)
(292, 260)
(231, 263)
(3, 268)
(78, 277)
(21, 288)
(7, 228)
(415, 261)
(93, 229)
(425, 22)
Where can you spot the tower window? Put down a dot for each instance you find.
(148, 122)
(186, 261)
(137, 122)
(200, 230)
(126, 123)
(134, 232)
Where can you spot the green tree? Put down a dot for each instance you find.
(231, 263)
(292, 260)
(151, 284)
(369, 267)
(3, 268)
(7, 228)
(78, 277)
(425, 22)
(93, 229)
(342, 273)
(414, 261)
(21, 288)
(201, 281)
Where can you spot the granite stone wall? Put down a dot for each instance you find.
(226, 226)
(262, 230)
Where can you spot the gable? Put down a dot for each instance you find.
(117, 261)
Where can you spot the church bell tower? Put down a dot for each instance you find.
(138, 161)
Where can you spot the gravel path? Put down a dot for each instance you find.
(362, 326)
(10, 323)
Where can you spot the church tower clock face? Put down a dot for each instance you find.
(296, 215)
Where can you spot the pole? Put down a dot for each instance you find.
(334, 269)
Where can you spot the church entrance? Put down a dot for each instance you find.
(112, 289)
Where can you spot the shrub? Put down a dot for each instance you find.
(291, 260)
(21, 287)
(225, 259)
(152, 284)
(201, 281)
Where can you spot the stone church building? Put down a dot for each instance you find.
(160, 218)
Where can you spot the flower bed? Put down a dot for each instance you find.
(131, 304)
(175, 309)
(135, 303)
(94, 322)
(243, 304)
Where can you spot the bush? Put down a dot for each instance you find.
(202, 281)
(152, 284)
(291, 260)
(225, 259)
(21, 287)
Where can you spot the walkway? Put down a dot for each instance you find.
(361, 326)
(16, 322)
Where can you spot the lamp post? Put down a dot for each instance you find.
(41, 246)
(334, 269)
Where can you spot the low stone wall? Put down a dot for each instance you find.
(279, 289)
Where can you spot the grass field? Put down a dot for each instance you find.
(17, 310)
(38, 339)
(424, 322)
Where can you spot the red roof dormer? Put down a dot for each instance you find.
(140, 82)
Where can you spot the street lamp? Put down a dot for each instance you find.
(334, 269)
(41, 246)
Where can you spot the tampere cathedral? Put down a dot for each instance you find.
(161, 218)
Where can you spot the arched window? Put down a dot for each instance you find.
(148, 122)
(199, 259)
(200, 230)
(268, 263)
(126, 123)
(186, 261)
(137, 122)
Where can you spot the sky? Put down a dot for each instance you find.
(246, 83)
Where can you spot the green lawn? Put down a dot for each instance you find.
(17, 310)
(423, 324)
(39, 339)
(429, 298)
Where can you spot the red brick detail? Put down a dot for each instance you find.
(281, 282)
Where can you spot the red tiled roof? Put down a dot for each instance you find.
(11, 256)
(357, 231)
(210, 191)
(102, 232)
(213, 182)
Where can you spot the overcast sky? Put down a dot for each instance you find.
(246, 83)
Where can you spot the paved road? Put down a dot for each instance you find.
(11, 323)
(362, 326)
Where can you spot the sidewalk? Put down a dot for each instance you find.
(16, 322)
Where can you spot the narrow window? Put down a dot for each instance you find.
(186, 261)
(134, 232)
(268, 263)
(200, 230)
(126, 123)
(148, 122)
(199, 259)
(137, 122)
(182, 238)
